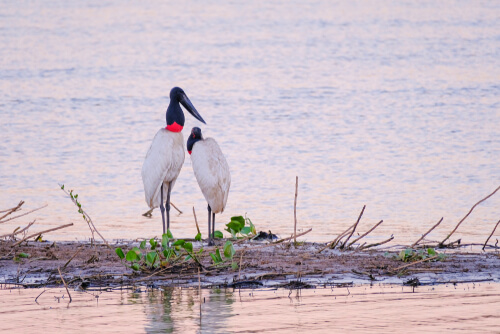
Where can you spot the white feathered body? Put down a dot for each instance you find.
(212, 173)
(162, 165)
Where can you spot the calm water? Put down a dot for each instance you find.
(392, 104)
(380, 309)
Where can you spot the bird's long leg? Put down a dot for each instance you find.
(168, 206)
(210, 243)
(213, 225)
(162, 208)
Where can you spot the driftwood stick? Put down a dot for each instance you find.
(376, 244)
(65, 285)
(17, 232)
(423, 236)
(11, 210)
(338, 240)
(196, 221)
(266, 245)
(332, 244)
(24, 214)
(289, 238)
(295, 210)
(486, 242)
(416, 262)
(467, 215)
(38, 233)
(354, 228)
(364, 235)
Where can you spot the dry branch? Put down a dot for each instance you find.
(12, 210)
(24, 214)
(196, 221)
(486, 242)
(172, 204)
(376, 244)
(333, 243)
(38, 233)
(65, 285)
(416, 262)
(17, 232)
(423, 236)
(364, 235)
(467, 215)
(354, 228)
(74, 255)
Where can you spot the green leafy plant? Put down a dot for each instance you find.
(410, 255)
(240, 226)
(157, 253)
(228, 252)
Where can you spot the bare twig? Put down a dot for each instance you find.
(467, 215)
(17, 232)
(364, 235)
(172, 204)
(354, 228)
(12, 210)
(295, 210)
(376, 244)
(65, 285)
(333, 243)
(196, 221)
(486, 242)
(416, 262)
(24, 214)
(74, 255)
(423, 236)
(289, 238)
(38, 233)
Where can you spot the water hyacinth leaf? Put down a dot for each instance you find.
(239, 219)
(218, 235)
(143, 244)
(198, 237)
(164, 240)
(187, 258)
(131, 256)
(169, 234)
(229, 250)
(431, 251)
(179, 242)
(119, 252)
(151, 257)
(217, 254)
(234, 226)
(234, 265)
(167, 253)
(214, 258)
(188, 247)
(153, 243)
(23, 255)
(246, 230)
(136, 267)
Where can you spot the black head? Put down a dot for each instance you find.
(175, 116)
(193, 138)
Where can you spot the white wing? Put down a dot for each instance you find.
(212, 173)
(162, 165)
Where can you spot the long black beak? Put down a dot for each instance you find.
(189, 107)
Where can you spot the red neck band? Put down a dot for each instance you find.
(174, 127)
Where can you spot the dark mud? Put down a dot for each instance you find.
(280, 265)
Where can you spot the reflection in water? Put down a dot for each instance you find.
(380, 308)
(392, 104)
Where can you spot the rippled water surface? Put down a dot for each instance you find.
(360, 309)
(392, 104)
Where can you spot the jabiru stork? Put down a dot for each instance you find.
(212, 173)
(165, 157)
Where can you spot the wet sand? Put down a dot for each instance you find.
(259, 264)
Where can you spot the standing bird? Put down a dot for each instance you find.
(212, 173)
(165, 157)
